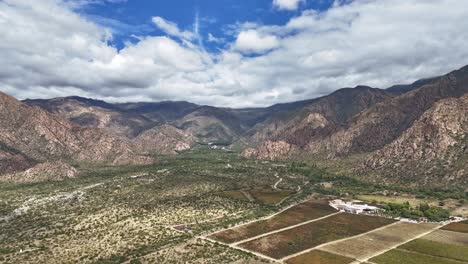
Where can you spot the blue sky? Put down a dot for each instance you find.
(133, 17)
(243, 53)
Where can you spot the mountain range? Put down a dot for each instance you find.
(406, 134)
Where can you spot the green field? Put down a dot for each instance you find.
(413, 201)
(372, 243)
(438, 249)
(399, 256)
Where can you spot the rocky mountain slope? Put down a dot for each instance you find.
(433, 149)
(130, 120)
(97, 114)
(370, 123)
(376, 124)
(163, 139)
(317, 120)
(30, 135)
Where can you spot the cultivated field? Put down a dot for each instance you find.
(457, 227)
(439, 246)
(319, 257)
(448, 237)
(401, 256)
(285, 243)
(438, 249)
(300, 213)
(161, 213)
(367, 245)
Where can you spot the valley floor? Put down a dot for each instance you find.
(188, 208)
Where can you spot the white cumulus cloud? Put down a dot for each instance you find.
(287, 4)
(251, 41)
(48, 49)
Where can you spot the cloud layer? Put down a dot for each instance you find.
(377, 43)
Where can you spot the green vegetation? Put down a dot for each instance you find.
(407, 257)
(437, 249)
(128, 213)
(423, 210)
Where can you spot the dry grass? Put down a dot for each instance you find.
(319, 257)
(270, 196)
(199, 251)
(461, 210)
(300, 213)
(235, 195)
(307, 236)
(365, 246)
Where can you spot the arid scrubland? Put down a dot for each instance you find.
(173, 210)
(113, 215)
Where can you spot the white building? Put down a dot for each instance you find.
(353, 208)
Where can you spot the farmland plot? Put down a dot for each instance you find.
(457, 227)
(319, 257)
(407, 257)
(300, 213)
(372, 243)
(448, 237)
(291, 241)
(437, 249)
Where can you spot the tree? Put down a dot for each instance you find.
(424, 207)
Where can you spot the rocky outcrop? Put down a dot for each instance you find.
(164, 139)
(49, 171)
(435, 145)
(383, 123)
(14, 161)
(271, 150)
(30, 135)
(415, 136)
(96, 114)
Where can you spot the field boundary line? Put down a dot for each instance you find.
(445, 230)
(335, 241)
(283, 229)
(241, 249)
(399, 244)
(260, 219)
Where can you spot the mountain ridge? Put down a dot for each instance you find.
(345, 123)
